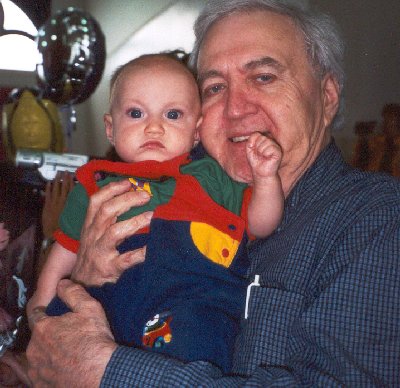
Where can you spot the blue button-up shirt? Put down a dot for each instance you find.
(325, 306)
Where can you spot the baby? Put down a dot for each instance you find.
(188, 296)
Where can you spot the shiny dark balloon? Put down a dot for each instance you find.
(72, 48)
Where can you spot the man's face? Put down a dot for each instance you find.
(255, 76)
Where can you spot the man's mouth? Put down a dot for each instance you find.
(240, 139)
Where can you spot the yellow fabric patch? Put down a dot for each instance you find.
(139, 185)
(218, 246)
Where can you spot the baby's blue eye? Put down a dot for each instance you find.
(135, 113)
(173, 114)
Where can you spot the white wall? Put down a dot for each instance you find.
(120, 19)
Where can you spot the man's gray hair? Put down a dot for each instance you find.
(325, 47)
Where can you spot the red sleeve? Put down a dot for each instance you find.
(245, 206)
(66, 241)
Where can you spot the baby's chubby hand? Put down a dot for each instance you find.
(264, 156)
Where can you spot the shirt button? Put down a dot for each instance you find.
(232, 227)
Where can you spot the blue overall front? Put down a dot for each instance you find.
(187, 298)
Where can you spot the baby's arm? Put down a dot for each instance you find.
(267, 200)
(58, 265)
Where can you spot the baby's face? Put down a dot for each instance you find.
(154, 113)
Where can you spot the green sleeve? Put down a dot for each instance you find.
(74, 213)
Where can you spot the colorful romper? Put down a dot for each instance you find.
(187, 298)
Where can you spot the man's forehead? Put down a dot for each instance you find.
(249, 40)
(248, 64)
(239, 29)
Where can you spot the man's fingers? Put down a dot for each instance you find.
(37, 314)
(75, 297)
(98, 259)
(120, 231)
(131, 258)
(113, 200)
(103, 196)
(59, 345)
(116, 233)
(123, 202)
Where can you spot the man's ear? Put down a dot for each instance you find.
(330, 90)
(109, 128)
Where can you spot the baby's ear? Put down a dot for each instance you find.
(199, 121)
(197, 132)
(109, 128)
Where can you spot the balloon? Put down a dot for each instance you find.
(72, 48)
(31, 123)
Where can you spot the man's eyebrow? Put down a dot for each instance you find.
(208, 74)
(251, 65)
(264, 61)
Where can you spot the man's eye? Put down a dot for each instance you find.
(264, 78)
(174, 114)
(213, 89)
(136, 113)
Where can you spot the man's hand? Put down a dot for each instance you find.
(98, 260)
(264, 156)
(71, 350)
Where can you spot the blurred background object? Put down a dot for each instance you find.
(385, 144)
(378, 146)
(69, 64)
(72, 56)
(31, 122)
(362, 155)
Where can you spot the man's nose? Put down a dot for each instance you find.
(238, 102)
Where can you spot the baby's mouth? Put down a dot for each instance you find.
(152, 144)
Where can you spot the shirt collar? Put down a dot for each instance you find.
(318, 180)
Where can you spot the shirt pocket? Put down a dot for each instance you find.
(264, 337)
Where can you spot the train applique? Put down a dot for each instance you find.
(157, 331)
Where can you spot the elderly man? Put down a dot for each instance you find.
(323, 305)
